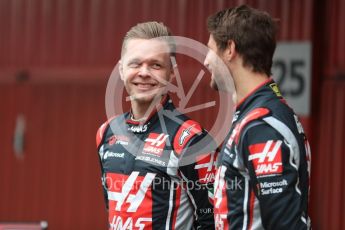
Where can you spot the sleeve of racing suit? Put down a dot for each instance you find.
(99, 137)
(197, 169)
(105, 193)
(274, 178)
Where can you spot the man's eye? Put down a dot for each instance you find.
(133, 65)
(156, 66)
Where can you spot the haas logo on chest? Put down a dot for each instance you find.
(155, 143)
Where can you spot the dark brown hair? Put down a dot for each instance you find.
(253, 32)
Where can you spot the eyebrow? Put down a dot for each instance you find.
(150, 61)
(134, 60)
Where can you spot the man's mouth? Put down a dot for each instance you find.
(144, 86)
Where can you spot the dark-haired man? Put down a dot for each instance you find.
(263, 177)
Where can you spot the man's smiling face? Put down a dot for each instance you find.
(146, 68)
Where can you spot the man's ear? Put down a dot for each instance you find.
(230, 51)
(121, 69)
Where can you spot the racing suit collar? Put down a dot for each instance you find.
(263, 88)
(249, 97)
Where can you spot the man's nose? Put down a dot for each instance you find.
(206, 63)
(144, 71)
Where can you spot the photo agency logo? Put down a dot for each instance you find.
(220, 126)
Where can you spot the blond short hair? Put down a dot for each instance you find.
(149, 30)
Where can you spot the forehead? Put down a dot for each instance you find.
(212, 43)
(146, 49)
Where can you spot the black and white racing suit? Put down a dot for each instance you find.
(262, 180)
(148, 181)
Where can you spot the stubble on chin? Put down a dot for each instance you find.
(140, 98)
(147, 97)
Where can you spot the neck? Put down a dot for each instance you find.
(141, 110)
(246, 81)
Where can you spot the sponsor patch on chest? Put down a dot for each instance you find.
(118, 139)
(155, 144)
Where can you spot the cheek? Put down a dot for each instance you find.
(168, 76)
(164, 75)
(127, 75)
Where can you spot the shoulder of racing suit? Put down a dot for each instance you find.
(102, 130)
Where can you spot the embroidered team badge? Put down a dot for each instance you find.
(155, 143)
(266, 158)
